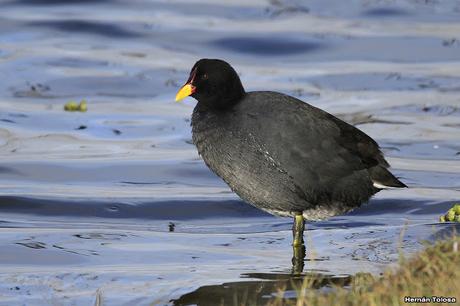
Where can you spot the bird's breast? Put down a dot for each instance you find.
(238, 156)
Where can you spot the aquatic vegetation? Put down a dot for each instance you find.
(83, 107)
(452, 215)
(73, 106)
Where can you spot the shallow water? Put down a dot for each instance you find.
(116, 202)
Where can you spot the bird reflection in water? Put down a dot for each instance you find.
(298, 245)
(266, 288)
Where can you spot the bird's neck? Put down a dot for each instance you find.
(221, 102)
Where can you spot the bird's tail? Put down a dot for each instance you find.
(383, 178)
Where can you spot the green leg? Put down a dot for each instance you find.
(298, 246)
(297, 230)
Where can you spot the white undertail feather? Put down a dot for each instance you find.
(381, 186)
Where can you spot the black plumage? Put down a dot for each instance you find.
(278, 153)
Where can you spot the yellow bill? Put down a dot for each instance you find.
(184, 92)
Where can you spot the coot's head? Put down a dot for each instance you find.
(214, 83)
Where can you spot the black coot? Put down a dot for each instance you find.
(278, 153)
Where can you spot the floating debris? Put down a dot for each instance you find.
(33, 90)
(450, 42)
(73, 106)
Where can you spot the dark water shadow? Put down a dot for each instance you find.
(258, 292)
(87, 27)
(385, 12)
(267, 46)
(9, 170)
(162, 210)
(7, 120)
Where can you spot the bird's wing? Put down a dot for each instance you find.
(321, 153)
(360, 144)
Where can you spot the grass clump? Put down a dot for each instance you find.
(432, 272)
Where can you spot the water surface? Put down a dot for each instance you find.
(116, 202)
